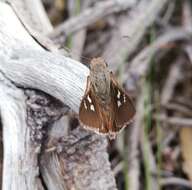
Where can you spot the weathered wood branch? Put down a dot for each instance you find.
(89, 16)
(32, 14)
(20, 163)
(28, 65)
(81, 156)
(140, 63)
(133, 25)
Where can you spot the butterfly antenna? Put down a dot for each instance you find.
(68, 50)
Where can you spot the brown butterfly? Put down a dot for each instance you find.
(105, 107)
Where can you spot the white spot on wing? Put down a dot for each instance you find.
(118, 103)
(118, 94)
(92, 107)
(89, 99)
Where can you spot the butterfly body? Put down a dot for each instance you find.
(105, 107)
(100, 80)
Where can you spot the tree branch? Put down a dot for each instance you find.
(28, 65)
(81, 155)
(89, 16)
(20, 166)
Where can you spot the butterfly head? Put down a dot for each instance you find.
(98, 65)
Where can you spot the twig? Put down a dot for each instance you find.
(187, 16)
(133, 160)
(175, 181)
(169, 12)
(134, 27)
(88, 17)
(179, 108)
(140, 63)
(148, 154)
(78, 39)
(174, 76)
(178, 121)
(188, 50)
(118, 168)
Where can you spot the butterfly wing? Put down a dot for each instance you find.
(106, 119)
(122, 104)
(90, 113)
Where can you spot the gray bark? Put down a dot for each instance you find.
(25, 64)
(20, 168)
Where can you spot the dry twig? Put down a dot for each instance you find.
(89, 16)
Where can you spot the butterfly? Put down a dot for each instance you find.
(105, 107)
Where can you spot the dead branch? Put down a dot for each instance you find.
(173, 78)
(133, 160)
(30, 66)
(175, 121)
(78, 39)
(20, 163)
(32, 15)
(25, 64)
(133, 26)
(146, 150)
(80, 155)
(89, 16)
(176, 181)
(140, 63)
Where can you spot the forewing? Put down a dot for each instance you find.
(122, 103)
(90, 113)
